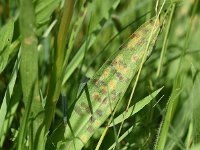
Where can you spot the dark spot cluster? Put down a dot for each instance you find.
(122, 46)
(90, 129)
(82, 109)
(78, 110)
(134, 35)
(151, 22)
(145, 31)
(97, 97)
(114, 95)
(140, 42)
(101, 86)
(98, 82)
(92, 119)
(119, 75)
(99, 112)
(85, 107)
(105, 101)
(119, 62)
(103, 90)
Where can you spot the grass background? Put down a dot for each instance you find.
(91, 32)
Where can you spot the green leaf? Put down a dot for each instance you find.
(11, 112)
(135, 108)
(6, 34)
(44, 10)
(196, 109)
(29, 77)
(5, 55)
(122, 137)
(8, 94)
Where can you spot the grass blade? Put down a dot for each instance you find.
(196, 108)
(75, 29)
(135, 108)
(177, 87)
(122, 137)
(44, 9)
(6, 34)
(28, 68)
(11, 50)
(7, 96)
(164, 47)
(55, 83)
(11, 113)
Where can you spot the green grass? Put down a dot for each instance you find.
(49, 48)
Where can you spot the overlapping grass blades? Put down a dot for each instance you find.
(7, 97)
(135, 108)
(75, 62)
(79, 124)
(177, 88)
